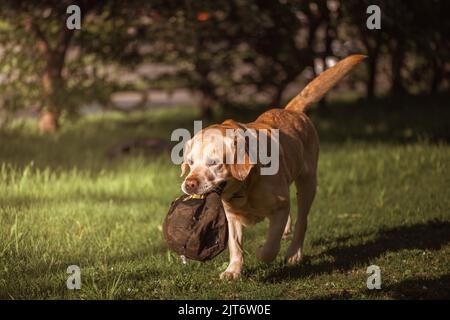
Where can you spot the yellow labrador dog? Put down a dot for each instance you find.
(250, 196)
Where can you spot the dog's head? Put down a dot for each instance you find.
(211, 155)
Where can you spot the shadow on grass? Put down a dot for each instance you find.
(430, 236)
(417, 288)
(421, 288)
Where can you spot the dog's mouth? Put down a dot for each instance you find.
(205, 188)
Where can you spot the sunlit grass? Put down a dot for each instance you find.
(63, 202)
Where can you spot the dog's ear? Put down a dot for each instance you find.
(184, 167)
(241, 168)
(240, 171)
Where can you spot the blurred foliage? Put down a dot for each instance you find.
(19, 82)
(226, 51)
(413, 38)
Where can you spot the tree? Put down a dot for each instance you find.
(36, 43)
(223, 50)
(431, 31)
(372, 40)
(201, 39)
(412, 38)
(44, 28)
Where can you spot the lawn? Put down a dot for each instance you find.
(383, 199)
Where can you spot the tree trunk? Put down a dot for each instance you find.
(437, 76)
(52, 87)
(371, 83)
(48, 122)
(323, 108)
(275, 102)
(52, 80)
(397, 61)
(374, 52)
(206, 107)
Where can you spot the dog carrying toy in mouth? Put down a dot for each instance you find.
(196, 226)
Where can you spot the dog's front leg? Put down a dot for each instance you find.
(234, 268)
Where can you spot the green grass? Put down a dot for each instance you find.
(381, 200)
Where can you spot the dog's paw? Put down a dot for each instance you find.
(294, 258)
(266, 255)
(229, 275)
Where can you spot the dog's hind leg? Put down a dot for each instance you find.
(306, 190)
(277, 224)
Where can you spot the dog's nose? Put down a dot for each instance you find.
(191, 184)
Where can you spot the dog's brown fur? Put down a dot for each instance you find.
(250, 197)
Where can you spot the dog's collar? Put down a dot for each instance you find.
(195, 196)
(220, 187)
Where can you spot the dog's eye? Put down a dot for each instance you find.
(211, 162)
(190, 162)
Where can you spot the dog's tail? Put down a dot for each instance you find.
(317, 88)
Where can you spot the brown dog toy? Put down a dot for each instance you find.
(196, 226)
